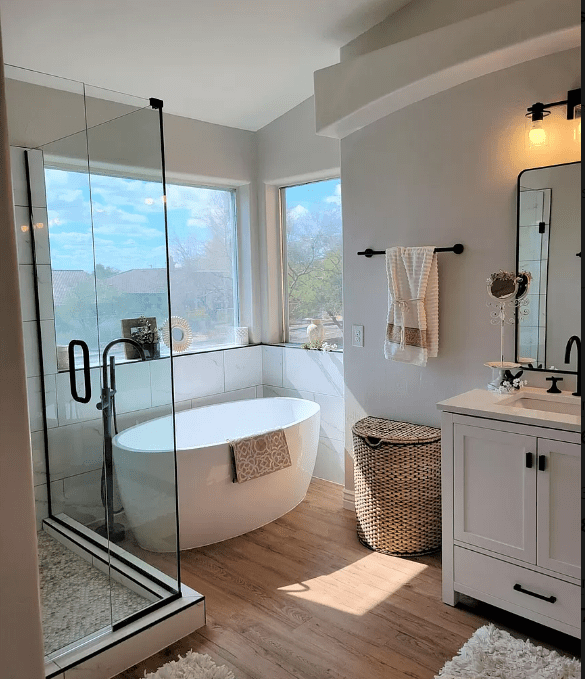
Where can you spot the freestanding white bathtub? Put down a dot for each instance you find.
(211, 507)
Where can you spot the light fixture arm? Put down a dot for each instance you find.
(539, 110)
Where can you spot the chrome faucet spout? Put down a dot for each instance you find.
(577, 342)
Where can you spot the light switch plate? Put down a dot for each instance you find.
(357, 335)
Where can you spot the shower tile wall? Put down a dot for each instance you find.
(316, 376)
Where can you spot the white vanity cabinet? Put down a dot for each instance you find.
(511, 508)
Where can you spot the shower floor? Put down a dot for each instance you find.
(77, 598)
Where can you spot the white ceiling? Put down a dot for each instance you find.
(240, 63)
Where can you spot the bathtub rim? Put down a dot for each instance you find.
(215, 443)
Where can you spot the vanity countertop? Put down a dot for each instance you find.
(494, 406)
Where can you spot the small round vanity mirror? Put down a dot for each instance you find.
(503, 285)
(177, 334)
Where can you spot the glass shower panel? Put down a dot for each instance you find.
(47, 122)
(132, 292)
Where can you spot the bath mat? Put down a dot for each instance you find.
(492, 653)
(192, 666)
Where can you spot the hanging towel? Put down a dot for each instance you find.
(259, 455)
(412, 333)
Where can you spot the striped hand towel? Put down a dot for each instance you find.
(412, 332)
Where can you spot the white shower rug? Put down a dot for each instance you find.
(192, 666)
(492, 653)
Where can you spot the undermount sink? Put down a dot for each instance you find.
(563, 404)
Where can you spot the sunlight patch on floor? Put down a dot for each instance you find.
(359, 586)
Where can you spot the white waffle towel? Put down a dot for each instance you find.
(412, 332)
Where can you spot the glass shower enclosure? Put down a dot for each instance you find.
(88, 168)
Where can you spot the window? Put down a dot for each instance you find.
(109, 257)
(203, 272)
(312, 245)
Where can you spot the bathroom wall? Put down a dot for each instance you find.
(438, 172)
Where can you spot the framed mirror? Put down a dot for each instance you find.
(549, 249)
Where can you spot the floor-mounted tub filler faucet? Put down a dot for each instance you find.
(110, 530)
(575, 340)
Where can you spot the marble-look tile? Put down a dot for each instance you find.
(332, 416)
(198, 375)
(271, 392)
(37, 444)
(228, 396)
(272, 359)
(23, 231)
(75, 449)
(41, 505)
(70, 411)
(49, 347)
(27, 291)
(18, 170)
(81, 497)
(37, 178)
(133, 386)
(31, 352)
(243, 368)
(330, 464)
(317, 371)
(41, 232)
(160, 381)
(22, 228)
(35, 404)
(36, 173)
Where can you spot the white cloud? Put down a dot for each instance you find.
(70, 195)
(296, 212)
(336, 197)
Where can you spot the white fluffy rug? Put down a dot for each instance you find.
(493, 653)
(192, 666)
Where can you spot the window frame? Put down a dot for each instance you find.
(285, 333)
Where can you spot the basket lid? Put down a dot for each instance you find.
(390, 431)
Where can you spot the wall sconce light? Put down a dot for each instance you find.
(537, 135)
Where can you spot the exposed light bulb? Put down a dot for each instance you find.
(577, 123)
(537, 136)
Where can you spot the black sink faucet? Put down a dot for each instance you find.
(575, 340)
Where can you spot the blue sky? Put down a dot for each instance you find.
(128, 219)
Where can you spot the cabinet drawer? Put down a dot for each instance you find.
(497, 579)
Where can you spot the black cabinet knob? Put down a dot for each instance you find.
(553, 388)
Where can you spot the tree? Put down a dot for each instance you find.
(314, 263)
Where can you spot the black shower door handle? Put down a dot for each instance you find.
(86, 373)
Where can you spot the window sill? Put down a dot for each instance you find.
(290, 345)
(205, 350)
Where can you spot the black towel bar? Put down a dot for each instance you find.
(457, 249)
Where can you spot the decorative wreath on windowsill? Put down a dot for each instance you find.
(176, 330)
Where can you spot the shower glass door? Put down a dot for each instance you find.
(99, 263)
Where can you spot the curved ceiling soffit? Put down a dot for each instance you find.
(355, 93)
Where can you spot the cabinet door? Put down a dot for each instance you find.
(495, 491)
(559, 507)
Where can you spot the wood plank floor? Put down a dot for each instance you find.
(302, 598)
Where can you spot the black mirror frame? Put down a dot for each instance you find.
(516, 318)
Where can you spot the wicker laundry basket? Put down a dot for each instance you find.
(397, 475)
